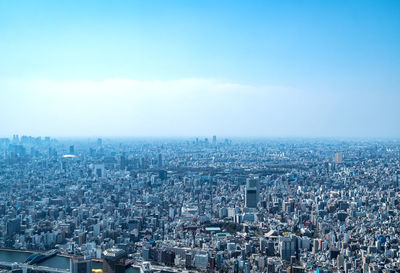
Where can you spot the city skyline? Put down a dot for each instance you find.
(192, 205)
(199, 136)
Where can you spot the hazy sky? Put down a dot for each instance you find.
(199, 68)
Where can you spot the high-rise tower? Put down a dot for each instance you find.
(251, 194)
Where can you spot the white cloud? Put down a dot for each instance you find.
(125, 107)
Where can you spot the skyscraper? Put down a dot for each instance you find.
(99, 170)
(287, 248)
(114, 260)
(123, 162)
(79, 265)
(160, 160)
(338, 158)
(251, 193)
(13, 226)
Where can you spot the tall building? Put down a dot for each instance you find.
(123, 162)
(201, 260)
(114, 260)
(160, 160)
(71, 149)
(338, 158)
(398, 179)
(13, 226)
(287, 248)
(79, 265)
(15, 139)
(251, 194)
(99, 170)
(214, 141)
(162, 174)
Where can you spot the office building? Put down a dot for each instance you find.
(251, 193)
(80, 265)
(99, 170)
(287, 248)
(201, 260)
(338, 158)
(114, 260)
(160, 160)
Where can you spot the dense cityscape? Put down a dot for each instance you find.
(199, 136)
(204, 204)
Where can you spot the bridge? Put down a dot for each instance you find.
(38, 257)
(23, 266)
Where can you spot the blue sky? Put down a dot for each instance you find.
(187, 68)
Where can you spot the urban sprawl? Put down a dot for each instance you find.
(205, 205)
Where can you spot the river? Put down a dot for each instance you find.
(53, 262)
